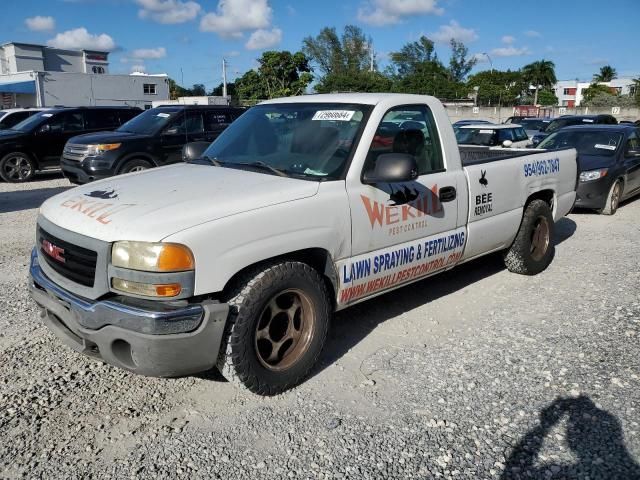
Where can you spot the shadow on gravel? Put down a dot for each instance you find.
(345, 332)
(27, 199)
(594, 436)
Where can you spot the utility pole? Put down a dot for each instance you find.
(224, 78)
(372, 56)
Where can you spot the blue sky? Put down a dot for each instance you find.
(165, 36)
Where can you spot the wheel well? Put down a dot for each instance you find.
(123, 162)
(544, 195)
(317, 258)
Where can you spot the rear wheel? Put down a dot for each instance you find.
(613, 199)
(532, 249)
(17, 167)
(135, 165)
(277, 327)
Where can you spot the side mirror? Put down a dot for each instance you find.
(507, 143)
(44, 128)
(194, 150)
(392, 168)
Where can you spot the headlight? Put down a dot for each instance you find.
(101, 148)
(152, 257)
(592, 175)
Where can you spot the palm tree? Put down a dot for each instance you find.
(606, 74)
(540, 74)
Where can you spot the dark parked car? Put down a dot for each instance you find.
(152, 139)
(37, 142)
(568, 120)
(460, 123)
(13, 116)
(608, 162)
(533, 126)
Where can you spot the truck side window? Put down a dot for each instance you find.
(409, 129)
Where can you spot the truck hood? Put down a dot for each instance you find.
(105, 137)
(151, 205)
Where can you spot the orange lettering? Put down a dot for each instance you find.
(375, 211)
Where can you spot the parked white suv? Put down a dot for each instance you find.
(493, 136)
(303, 206)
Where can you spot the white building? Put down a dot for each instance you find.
(39, 76)
(569, 92)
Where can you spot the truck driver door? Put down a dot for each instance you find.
(402, 231)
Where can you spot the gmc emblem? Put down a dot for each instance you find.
(53, 251)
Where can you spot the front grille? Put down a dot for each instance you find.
(79, 263)
(75, 152)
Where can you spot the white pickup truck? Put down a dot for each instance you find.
(302, 207)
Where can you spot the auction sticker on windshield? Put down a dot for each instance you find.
(340, 115)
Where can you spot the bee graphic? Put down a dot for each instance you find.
(483, 181)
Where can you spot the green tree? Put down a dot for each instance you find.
(411, 55)
(357, 82)
(547, 97)
(608, 100)
(540, 74)
(596, 89)
(231, 90)
(176, 90)
(460, 64)
(284, 73)
(496, 87)
(606, 74)
(250, 86)
(279, 74)
(343, 62)
(198, 90)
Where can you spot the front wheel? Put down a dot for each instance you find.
(17, 167)
(135, 165)
(613, 199)
(532, 249)
(278, 323)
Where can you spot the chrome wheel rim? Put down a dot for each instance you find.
(540, 239)
(285, 329)
(138, 168)
(17, 167)
(615, 196)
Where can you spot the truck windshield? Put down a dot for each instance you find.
(150, 122)
(586, 142)
(477, 136)
(310, 140)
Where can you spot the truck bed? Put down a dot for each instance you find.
(474, 155)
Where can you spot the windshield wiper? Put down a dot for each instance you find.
(213, 160)
(263, 166)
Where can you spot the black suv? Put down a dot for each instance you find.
(568, 120)
(152, 139)
(37, 142)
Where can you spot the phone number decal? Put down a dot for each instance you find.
(540, 168)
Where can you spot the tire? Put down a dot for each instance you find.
(532, 249)
(258, 309)
(135, 165)
(17, 167)
(613, 199)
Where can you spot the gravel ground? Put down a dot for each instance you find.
(476, 373)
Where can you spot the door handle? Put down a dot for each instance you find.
(447, 194)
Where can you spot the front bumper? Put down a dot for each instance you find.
(80, 172)
(593, 194)
(153, 338)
